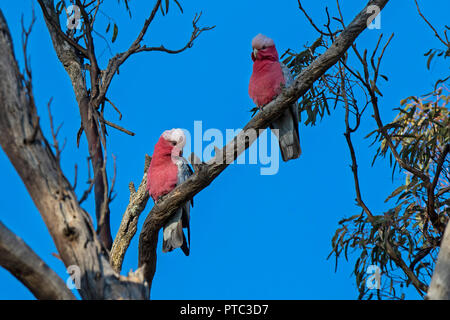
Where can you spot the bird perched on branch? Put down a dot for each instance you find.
(267, 81)
(168, 169)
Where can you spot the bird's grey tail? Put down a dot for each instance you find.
(173, 235)
(287, 133)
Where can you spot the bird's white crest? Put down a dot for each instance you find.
(175, 135)
(260, 41)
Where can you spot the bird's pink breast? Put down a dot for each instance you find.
(162, 174)
(265, 82)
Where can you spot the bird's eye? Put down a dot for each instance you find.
(173, 143)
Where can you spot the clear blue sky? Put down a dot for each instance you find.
(253, 236)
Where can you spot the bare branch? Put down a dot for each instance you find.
(311, 22)
(128, 226)
(195, 34)
(23, 263)
(115, 62)
(113, 125)
(115, 108)
(446, 43)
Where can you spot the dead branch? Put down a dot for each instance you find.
(24, 264)
(136, 47)
(446, 43)
(128, 226)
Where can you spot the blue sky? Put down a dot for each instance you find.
(252, 236)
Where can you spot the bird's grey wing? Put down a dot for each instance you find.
(287, 125)
(173, 230)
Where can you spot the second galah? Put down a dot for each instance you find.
(267, 80)
(168, 169)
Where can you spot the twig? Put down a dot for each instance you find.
(113, 125)
(113, 181)
(446, 43)
(330, 34)
(115, 108)
(115, 62)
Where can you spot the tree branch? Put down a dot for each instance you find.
(73, 64)
(24, 264)
(446, 43)
(115, 62)
(128, 226)
(52, 18)
(397, 258)
(206, 173)
(370, 85)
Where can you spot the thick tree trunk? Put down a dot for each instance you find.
(69, 225)
(440, 283)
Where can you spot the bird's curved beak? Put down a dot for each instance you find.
(255, 52)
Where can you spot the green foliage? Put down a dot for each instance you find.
(404, 241)
(127, 7)
(60, 6)
(314, 103)
(166, 3)
(420, 131)
(432, 53)
(115, 32)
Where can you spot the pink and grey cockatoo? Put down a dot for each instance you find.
(168, 169)
(267, 80)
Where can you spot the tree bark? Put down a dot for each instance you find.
(440, 282)
(72, 62)
(128, 226)
(23, 263)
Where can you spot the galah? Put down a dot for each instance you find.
(267, 81)
(168, 169)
